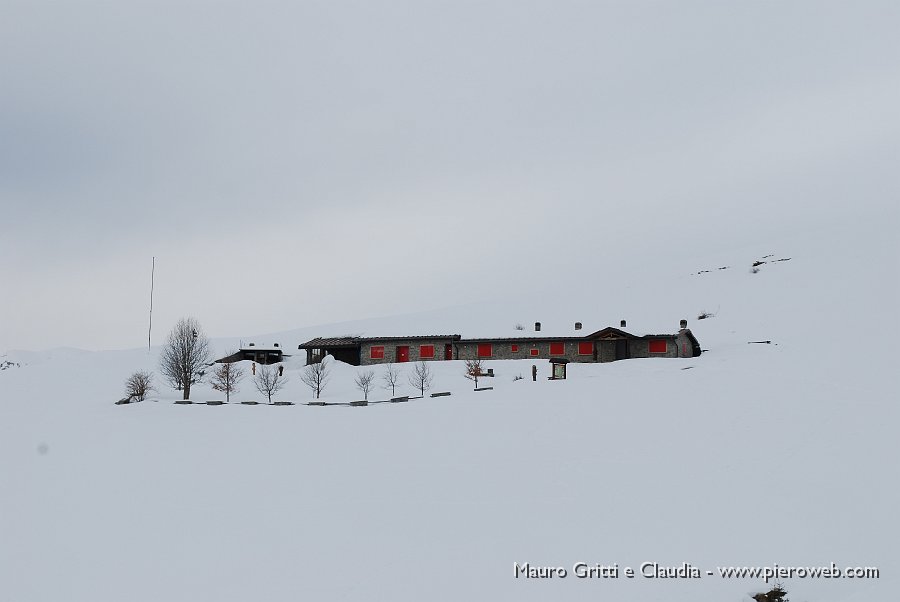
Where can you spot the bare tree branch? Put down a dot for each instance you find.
(474, 369)
(315, 376)
(421, 378)
(139, 385)
(225, 378)
(185, 356)
(269, 381)
(364, 382)
(391, 378)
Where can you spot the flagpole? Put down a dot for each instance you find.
(150, 329)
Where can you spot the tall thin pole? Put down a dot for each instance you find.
(150, 329)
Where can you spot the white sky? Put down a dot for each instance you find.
(307, 162)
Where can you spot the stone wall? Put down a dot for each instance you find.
(390, 350)
(604, 350)
(466, 350)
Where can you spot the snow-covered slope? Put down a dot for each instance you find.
(752, 454)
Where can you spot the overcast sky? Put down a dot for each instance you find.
(296, 163)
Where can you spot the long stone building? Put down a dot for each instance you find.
(605, 345)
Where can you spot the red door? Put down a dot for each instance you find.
(448, 351)
(402, 354)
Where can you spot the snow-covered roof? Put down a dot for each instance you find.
(255, 347)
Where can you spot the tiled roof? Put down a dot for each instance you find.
(452, 337)
(521, 339)
(319, 342)
(323, 342)
(354, 341)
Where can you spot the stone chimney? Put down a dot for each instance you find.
(537, 326)
(684, 323)
(577, 325)
(621, 323)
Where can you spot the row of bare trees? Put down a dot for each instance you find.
(186, 356)
(421, 379)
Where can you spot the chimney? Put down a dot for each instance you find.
(621, 323)
(276, 344)
(577, 325)
(684, 323)
(537, 326)
(251, 344)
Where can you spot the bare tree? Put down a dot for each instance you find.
(364, 382)
(185, 355)
(421, 378)
(269, 381)
(225, 378)
(391, 378)
(139, 385)
(474, 369)
(315, 376)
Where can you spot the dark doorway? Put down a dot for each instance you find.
(402, 354)
(622, 349)
(448, 351)
(349, 355)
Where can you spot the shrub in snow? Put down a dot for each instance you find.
(776, 594)
(139, 385)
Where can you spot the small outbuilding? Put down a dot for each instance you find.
(260, 355)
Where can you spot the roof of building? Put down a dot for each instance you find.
(610, 330)
(352, 341)
(234, 357)
(319, 342)
(443, 337)
(239, 355)
(616, 332)
(521, 339)
(355, 341)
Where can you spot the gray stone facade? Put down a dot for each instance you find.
(393, 348)
(502, 349)
(606, 345)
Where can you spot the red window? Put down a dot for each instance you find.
(658, 345)
(426, 351)
(514, 348)
(534, 352)
(376, 352)
(485, 350)
(557, 349)
(586, 348)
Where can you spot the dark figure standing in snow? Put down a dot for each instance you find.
(280, 370)
(253, 368)
(534, 372)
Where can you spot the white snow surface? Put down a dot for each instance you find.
(750, 455)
